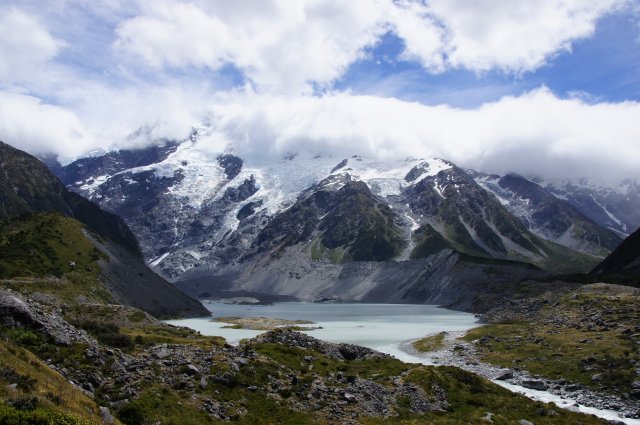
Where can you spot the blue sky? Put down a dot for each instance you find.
(602, 67)
(482, 83)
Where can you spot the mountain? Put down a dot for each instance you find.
(202, 213)
(625, 259)
(48, 230)
(549, 216)
(614, 206)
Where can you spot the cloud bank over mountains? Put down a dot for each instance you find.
(264, 73)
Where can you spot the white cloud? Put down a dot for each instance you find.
(536, 133)
(29, 124)
(515, 36)
(278, 44)
(283, 46)
(25, 46)
(108, 118)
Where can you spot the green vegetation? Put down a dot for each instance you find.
(471, 397)
(161, 404)
(583, 337)
(120, 315)
(37, 415)
(50, 253)
(263, 323)
(362, 226)
(137, 316)
(319, 252)
(171, 408)
(239, 396)
(45, 244)
(428, 242)
(41, 395)
(294, 358)
(124, 326)
(430, 343)
(106, 333)
(167, 334)
(561, 259)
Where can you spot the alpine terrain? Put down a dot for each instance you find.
(313, 226)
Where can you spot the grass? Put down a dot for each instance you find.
(119, 315)
(294, 358)
(161, 404)
(318, 252)
(567, 353)
(49, 253)
(45, 244)
(565, 341)
(106, 334)
(57, 401)
(261, 323)
(470, 397)
(561, 259)
(167, 334)
(430, 343)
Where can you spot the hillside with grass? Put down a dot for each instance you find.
(57, 243)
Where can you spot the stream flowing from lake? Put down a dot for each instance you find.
(382, 327)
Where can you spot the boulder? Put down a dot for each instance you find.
(505, 375)
(14, 312)
(534, 384)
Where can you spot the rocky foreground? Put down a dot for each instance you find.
(128, 367)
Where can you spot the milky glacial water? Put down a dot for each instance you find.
(382, 327)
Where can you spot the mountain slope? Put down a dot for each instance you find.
(624, 259)
(47, 230)
(611, 206)
(296, 225)
(548, 216)
(453, 210)
(28, 187)
(345, 223)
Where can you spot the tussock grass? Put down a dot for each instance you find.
(54, 394)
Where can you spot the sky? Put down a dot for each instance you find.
(547, 88)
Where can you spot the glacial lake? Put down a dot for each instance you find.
(383, 327)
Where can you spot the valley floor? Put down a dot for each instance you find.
(130, 368)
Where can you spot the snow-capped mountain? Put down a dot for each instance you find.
(198, 210)
(614, 206)
(549, 216)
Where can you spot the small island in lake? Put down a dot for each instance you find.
(263, 323)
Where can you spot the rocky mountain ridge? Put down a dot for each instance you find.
(200, 213)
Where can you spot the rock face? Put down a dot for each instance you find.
(241, 224)
(343, 220)
(550, 217)
(28, 187)
(614, 207)
(447, 278)
(192, 208)
(470, 219)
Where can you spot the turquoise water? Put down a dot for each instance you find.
(379, 326)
